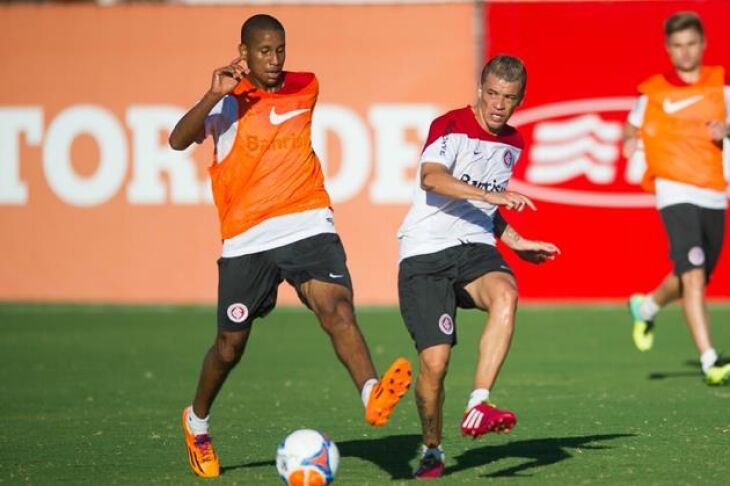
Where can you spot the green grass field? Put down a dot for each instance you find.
(94, 394)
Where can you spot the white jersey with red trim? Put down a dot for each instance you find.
(474, 156)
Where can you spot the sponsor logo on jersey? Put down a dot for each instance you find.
(445, 138)
(279, 118)
(487, 186)
(670, 107)
(288, 142)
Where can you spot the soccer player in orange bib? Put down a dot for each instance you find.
(681, 120)
(276, 224)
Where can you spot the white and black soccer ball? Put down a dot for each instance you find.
(307, 458)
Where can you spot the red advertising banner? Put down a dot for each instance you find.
(584, 62)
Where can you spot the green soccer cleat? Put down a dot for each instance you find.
(643, 330)
(718, 374)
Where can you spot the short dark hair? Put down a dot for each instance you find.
(683, 21)
(257, 23)
(506, 67)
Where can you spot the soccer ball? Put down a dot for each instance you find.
(307, 458)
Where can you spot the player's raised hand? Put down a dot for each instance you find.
(536, 251)
(510, 200)
(718, 130)
(629, 147)
(227, 77)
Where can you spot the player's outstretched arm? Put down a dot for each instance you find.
(532, 251)
(436, 178)
(191, 127)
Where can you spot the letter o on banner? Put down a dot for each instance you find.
(354, 139)
(68, 185)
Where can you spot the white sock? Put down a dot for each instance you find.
(477, 396)
(708, 358)
(367, 388)
(197, 425)
(648, 308)
(437, 452)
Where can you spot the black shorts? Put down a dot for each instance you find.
(431, 287)
(695, 236)
(248, 284)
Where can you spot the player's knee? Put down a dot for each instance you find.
(434, 365)
(693, 278)
(337, 314)
(505, 298)
(229, 349)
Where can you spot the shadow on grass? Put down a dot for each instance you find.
(391, 454)
(538, 452)
(269, 463)
(690, 363)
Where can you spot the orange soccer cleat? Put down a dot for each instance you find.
(387, 392)
(201, 455)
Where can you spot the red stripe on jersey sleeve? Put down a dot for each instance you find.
(440, 127)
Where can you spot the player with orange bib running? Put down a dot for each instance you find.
(682, 118)
(276, 224)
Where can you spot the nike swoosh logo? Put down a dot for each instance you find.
(332, 275)
(671, 107)
(277, 119)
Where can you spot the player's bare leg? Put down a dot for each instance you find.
(643, 309)
(716, 370)
(333, 306)
(495, 292)
(221, 358)
(695, 310)
(667, 291)
(430, 394)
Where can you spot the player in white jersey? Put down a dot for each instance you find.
(448, 257)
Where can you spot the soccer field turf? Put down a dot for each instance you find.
(94, 395)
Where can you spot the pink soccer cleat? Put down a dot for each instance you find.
(431, 465)
(484, 418)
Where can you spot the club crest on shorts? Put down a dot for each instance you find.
(446, 324)
(696, 256)
(237, 312)
(509, 159)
